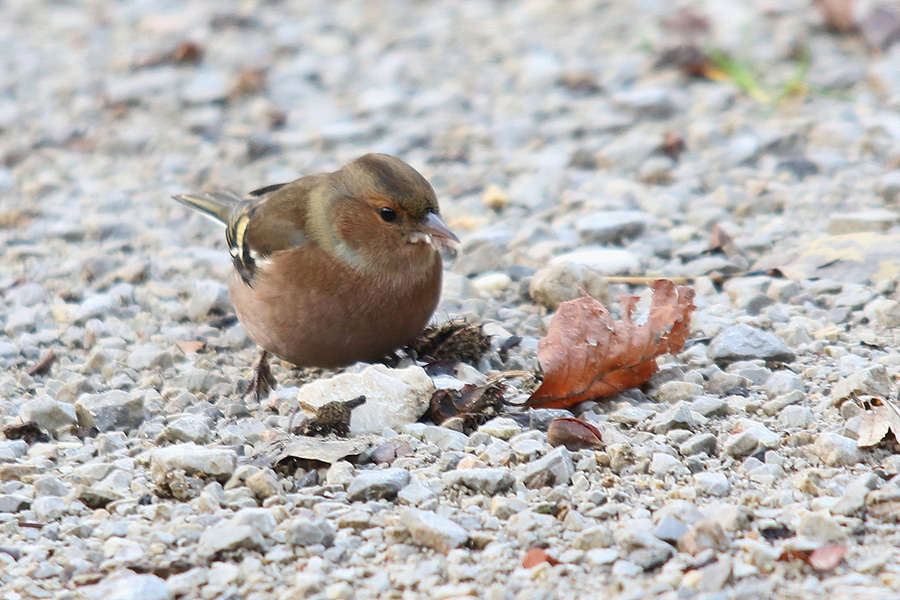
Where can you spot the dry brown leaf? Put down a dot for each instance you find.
(191, 346)
(588, 355)
(574, 434)
(881, 416)
(535, 556)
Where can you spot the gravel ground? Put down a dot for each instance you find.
(541, 125)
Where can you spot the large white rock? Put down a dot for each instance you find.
(394, 397)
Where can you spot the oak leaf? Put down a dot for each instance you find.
(587, 354)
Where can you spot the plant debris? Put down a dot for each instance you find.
(184, 53)
(42, 367)
(474, 404)
(587, 355)
(29, 431)
(881, 416)
(574, 434)
(333, 417)
(453, 342)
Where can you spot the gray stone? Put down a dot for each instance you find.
(743, 342)
(711, 484)
(48, 485)
(433, 531)
(48, 508)
(229, 538)
(606, 261)
(836, 450)
(598, 536)
(48, 413)
(799, 417)
(501, 427)
(669, 529)
(481, 481)
(12, 503)
(110, 410)
(873, 381)
(376, 485)
(556, 468)
(854, 498)
(308, 532)
(444, 438)
(877, 220)
(699, 443)
(563, 281)
(677, 417)
(612, 227)
(127, 586)
(216, 463)
(186, 428)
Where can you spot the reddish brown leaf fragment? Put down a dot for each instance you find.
(587, 355)
(535, 556)
(43, 366)
(574, 434)
(184, 53)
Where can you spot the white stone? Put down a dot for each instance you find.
(394, 397)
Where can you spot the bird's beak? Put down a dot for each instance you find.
(441, 235)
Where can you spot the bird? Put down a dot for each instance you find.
(333, 268)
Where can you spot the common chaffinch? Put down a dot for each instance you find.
(333, 268)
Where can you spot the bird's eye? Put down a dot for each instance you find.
(388, 214)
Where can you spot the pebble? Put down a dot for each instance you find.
(433, 531)
(836, 450)
(712, 484)
(556, 468)
(743, 342)
(480, 480)
(394, 397)
(376, 485)
(563, 281)
(49, 414)
(110, 410)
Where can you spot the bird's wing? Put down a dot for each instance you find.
(218, 206)
(272, 221)
(267, 220)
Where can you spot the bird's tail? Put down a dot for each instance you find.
(218, 206)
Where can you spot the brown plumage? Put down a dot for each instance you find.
(337, 267)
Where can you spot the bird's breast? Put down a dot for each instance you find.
(311, 310)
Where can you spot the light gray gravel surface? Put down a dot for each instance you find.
(541, 126)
